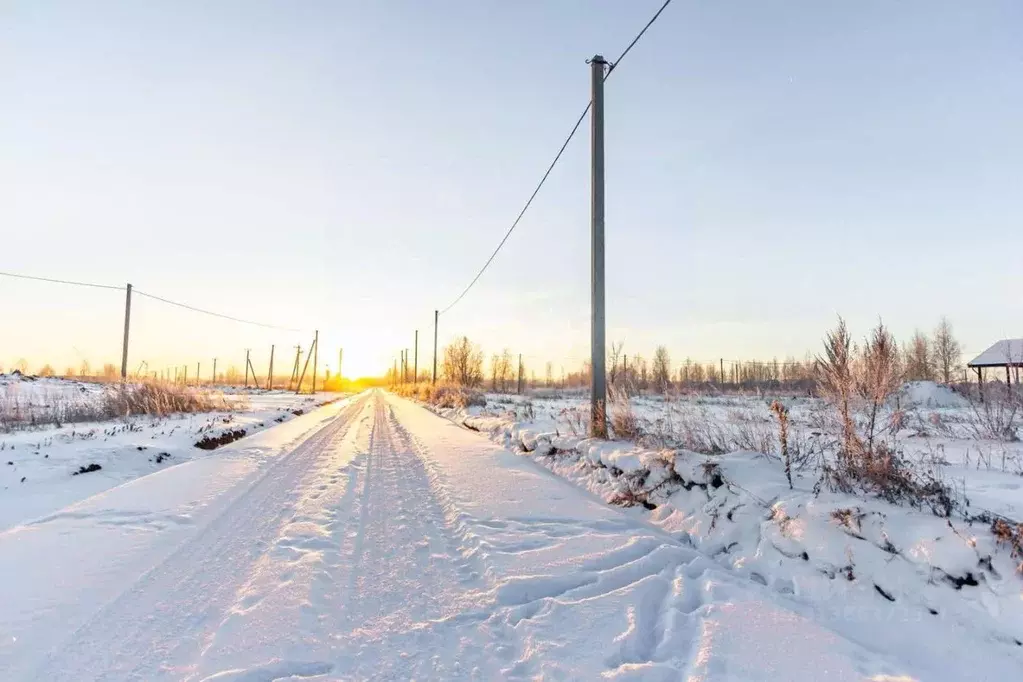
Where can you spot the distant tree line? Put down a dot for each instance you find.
(935, 357)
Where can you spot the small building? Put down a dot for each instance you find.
(1007, 353)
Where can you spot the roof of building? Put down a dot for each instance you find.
(1005, 352)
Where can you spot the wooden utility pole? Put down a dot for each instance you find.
(214, 370)
(436, 315)
(305, 368)
(316, 357)
(294, 370)
(415, 361)
(198, 376)
(270, 374)
(127, 326)
(340, 357)
(247, 367)
(184, 380)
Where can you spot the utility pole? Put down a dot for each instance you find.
(305, 367)
(401, 354)
(198, 377)
(722, 374)
(394, 374)
(294, 370)
(270, 374)
(405, 371)
(247, 367)
(598, 395)
(340, 357)
(316, 357)
(436, 315)
(127, 325)
(415, 361)
(214, 370)
(184, 379)
(519, 385)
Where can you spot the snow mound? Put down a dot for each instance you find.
(930, 394)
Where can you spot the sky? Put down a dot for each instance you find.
(349, 166)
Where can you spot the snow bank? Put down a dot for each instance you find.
(895, 577)
(38, 465)
(931, 394)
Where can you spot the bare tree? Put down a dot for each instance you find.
(918, 358)
(835, 379)
(946, 350)
(47, 370)
(550, 374)
(661, 370)
(505, 369)
(614, 356)
(495, 371)
(463, 363)
(878, 376)
(642, 372)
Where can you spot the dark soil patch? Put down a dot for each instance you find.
(87, 469)
(214, 442)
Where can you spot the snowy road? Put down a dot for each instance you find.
(374, 540)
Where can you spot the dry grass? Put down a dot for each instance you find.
(624, 423)
(113, 401)
(443, 395)
(162, 399)
(1010, 535)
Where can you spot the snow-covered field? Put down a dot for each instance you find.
(371, 539)
(40, 465)
(940, 594)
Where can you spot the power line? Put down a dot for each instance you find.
(636, 39)
(60, 281)
(213, 314)
(525, 208)
(557, 157)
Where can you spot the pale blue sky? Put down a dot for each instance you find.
(350, 165)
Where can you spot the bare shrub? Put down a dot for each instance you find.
(865, 381)
(998, 417)
(877, 378)
(444, 395)
(1010, 535)
(836, 383)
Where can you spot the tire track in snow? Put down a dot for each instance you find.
(173, 608)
